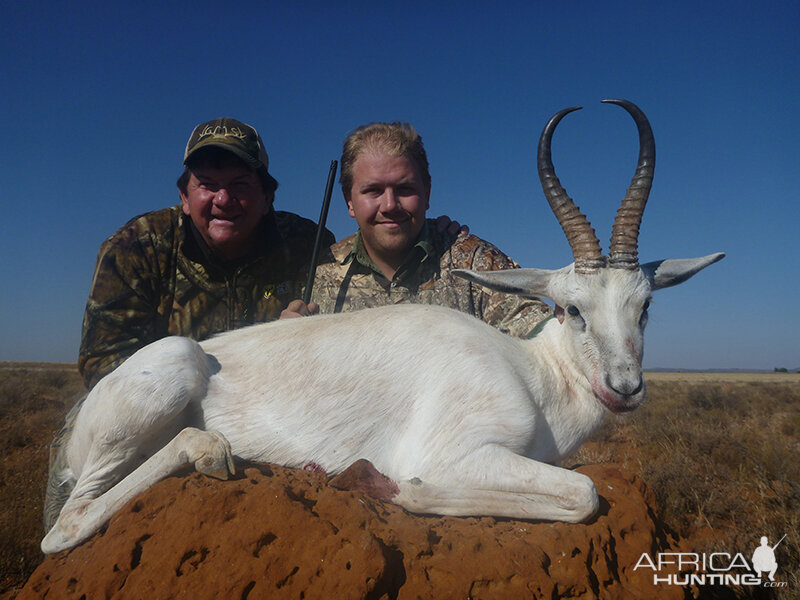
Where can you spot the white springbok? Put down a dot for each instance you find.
(461, 418)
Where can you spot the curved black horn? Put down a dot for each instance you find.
(623, 253)
(580, 235)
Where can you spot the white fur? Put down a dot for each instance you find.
(466, 420)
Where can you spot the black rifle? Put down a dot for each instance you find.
(323, 216)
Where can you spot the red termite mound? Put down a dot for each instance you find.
(273, 532)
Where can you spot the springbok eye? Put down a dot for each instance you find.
(643, 316)
(573, 311)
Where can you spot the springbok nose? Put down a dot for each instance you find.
(626, 386)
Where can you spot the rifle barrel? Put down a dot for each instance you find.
(323, 216)
(779, 541)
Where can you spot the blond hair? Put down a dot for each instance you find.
(395, 139)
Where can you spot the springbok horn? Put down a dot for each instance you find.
(623, 253)
(582, 239)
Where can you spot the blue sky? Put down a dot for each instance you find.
(99, 99)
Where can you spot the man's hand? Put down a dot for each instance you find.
(454, 228)
(298, 308)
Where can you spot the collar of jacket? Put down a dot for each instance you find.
(422, 249)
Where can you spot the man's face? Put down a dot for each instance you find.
(226, 203)
(388, 199)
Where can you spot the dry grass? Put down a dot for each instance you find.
(720, 451)
(33, 401)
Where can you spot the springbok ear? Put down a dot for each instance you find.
(521, 282)
(666, 273)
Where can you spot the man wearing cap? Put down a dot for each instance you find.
(221, 259)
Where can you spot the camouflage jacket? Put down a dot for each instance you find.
(347, 280)
(156, 277)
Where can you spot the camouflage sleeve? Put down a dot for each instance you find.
(514, 315)
(122, 310)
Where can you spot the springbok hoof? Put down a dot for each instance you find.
(217, 459)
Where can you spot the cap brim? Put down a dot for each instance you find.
(248, 160)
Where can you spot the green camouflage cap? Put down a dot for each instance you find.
(232, 135)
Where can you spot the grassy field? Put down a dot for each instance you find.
(721, 454)
(720, 451)
(33, 401)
